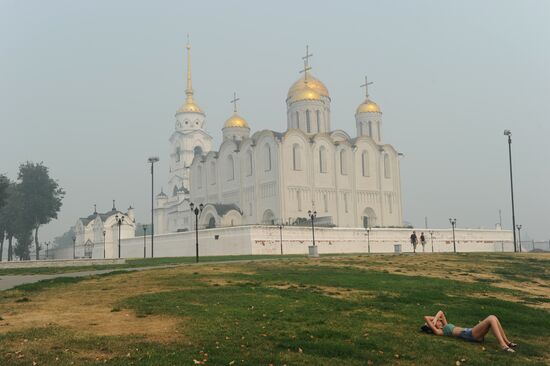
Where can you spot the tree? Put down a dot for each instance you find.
(65, 240)
(4, 185)
(11, 216)
(41, 198)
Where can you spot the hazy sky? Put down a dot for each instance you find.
(91, 87)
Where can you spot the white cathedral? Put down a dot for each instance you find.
(273, 177)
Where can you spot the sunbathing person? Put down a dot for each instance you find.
(438, 325)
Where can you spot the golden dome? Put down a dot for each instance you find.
(312, 82)
(368, 106)
(304, 93)
(235, 121)
(190, 106)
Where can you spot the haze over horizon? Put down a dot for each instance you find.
(91, 89)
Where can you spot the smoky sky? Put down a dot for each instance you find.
(91, 88)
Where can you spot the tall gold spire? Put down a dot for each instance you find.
(190, 105)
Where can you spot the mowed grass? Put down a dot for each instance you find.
(134, 263)
(348, 310)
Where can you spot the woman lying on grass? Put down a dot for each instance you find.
(438, 325)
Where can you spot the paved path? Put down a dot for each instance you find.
(7, 282)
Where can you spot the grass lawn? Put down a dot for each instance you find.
(344, 310)
(134, 263)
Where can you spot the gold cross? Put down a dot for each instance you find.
(234, 101)
(366, 86)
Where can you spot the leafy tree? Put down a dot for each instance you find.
(65, 240)
(24, 241)
(4, 184)
(11, 217)
(41, 198)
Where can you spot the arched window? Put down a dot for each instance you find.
(308, 122)
(199, 176)
(343, 163)
(297, 120)
(197, 150)
(318, 113)
(387, 167)
(267, 149)
(213, 172)
(370, 129)
(249, 163)
(365, 164)
(322, 159)
(296, 157)
(178, 154)
(175, 191)
(230, 168)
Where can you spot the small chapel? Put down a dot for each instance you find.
(268, 177)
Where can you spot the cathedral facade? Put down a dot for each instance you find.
(269, 177)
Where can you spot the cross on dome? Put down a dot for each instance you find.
(234, 101)
(366, 86)
(306, 63)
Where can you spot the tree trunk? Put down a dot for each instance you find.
(36, 242)
(1, 245)
(10, 248)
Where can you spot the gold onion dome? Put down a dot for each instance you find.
(190, 106)
(368, 106)
(313, 84)
(235, 121)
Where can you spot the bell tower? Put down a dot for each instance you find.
(189, 136)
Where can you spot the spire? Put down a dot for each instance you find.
(114, 208)
(189, 90)
(189, 105)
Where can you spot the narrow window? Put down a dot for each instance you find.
(325, 202)
(361, 129)
(296, 157)
(308, 122)
(230, 168)
(297, 119)
(387, 167)
(378, 128)
(322, 159)
(343, 163)
(318, 113)
(267, 157)
(365, 163)
(249, 163)
(299, 200)
(370, 129)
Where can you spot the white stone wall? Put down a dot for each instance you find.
(264, 239)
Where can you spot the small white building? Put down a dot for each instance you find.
(275, 177)
(96, 236)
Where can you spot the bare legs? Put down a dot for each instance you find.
(491, 323)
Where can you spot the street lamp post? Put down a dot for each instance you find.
(152, 160)
(453, 223)
(119, 220)
(47, 246)
(196, 211)
(104, 232)
(313, 251)
(368, 239)
(432, 240)
(144, 239)
(281, 237)
(509, 134)
(519, 236)
(74, 247)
